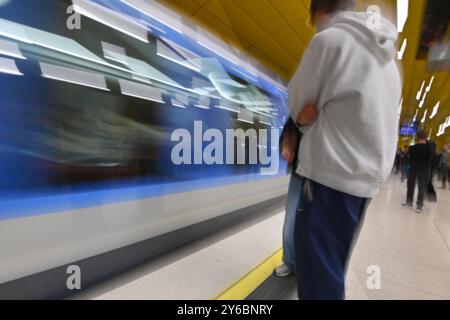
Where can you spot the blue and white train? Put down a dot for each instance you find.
(90, 94)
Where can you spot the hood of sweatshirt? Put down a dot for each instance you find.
(379, 38)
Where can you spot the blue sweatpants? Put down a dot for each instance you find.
(326, 227)
(293, 198)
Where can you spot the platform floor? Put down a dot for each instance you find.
(411, 250)
(201, 270)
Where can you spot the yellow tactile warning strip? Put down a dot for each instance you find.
(252, 280)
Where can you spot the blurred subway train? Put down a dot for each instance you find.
(91, 93)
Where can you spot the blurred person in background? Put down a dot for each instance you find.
(443, 166)
(404, 164)
(420, 156)
(344, 96)
(398, 161)
(431, 192)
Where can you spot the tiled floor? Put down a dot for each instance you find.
(412, 251)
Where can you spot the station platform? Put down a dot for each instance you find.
(412, 252)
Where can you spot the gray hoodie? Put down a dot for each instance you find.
(349, 72)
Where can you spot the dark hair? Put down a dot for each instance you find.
(329, 6)
(421, 135)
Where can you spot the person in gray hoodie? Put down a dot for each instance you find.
(344, 98)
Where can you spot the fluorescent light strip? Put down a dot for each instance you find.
(402, 49)
(402, 14)
(424, 116)
(419, 94)
(431, 83)
(111, 19)
(435, 110)
(142, 91)
(441, 130)
(84, 78)
(423, 100)
(9, 66)
(11, 49)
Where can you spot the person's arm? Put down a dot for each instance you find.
(305, 86)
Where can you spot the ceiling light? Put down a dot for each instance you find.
(402, 14)
(424, 116)
(431, 83)
(435, 110)
(423, 100)
(402, 50)
(419, 94)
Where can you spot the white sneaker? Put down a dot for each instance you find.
(282, 271)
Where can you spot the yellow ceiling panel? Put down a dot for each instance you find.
(215, 7)
(303, 30)
(218, 26)
(242, 24)
(292, 11)
(277, 53)
(264, 60)
(187, 7)
(263, 13)
(290, 41)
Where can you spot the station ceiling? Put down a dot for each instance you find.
(276, 33)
